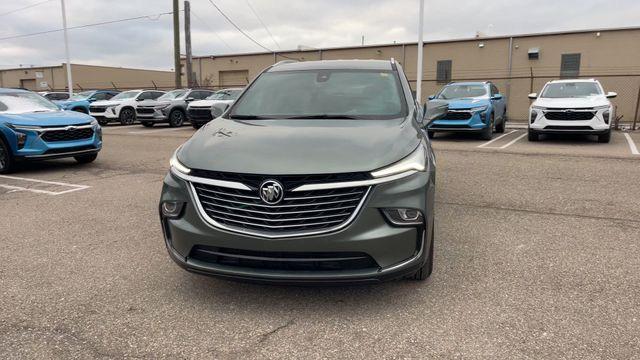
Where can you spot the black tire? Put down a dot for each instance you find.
(80, 110)
(147, 124)
(487, 133)
(196, 125)
(85, 159)
(176, 118)
(127, 116)
(431, 134)
(605, 138)
(533, 136)
(425, 271)
(6, 158)
(103, 121)
(500, 127)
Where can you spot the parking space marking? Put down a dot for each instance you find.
(632, 145)
(496, 139)
(14, 188)
(153, 131)
(512, 141)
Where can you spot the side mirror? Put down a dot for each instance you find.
(434, 110)
(218, 109)
(611, 95)
(139, 99)
(533, 96)
(189, 99)
(91, 99)
(431, 97)
(497, 97)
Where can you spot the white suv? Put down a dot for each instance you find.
(121, 107)
(572, 106)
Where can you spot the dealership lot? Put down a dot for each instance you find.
(537, 255)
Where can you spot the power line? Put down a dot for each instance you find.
(263, 24)
(211, 29)
(153, 17)
(238, 27)
(25, 7)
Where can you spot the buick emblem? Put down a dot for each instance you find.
(271, 192)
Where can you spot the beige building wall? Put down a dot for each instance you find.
(84, 77)
(612, 56)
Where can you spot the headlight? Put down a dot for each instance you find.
(478, 109)
(24, 127)
(94, 123)
(416, 161)
(177, 165)
(540, 108)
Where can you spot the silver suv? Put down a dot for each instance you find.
(169, 108)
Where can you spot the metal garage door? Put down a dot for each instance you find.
(29, 84)
(234, 78)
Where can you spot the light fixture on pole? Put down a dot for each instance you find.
(66, 49)
(420, 48)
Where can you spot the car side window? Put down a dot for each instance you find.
(100, 96)
(156, 94)
(197, 95)
(494, 90)
(145, 96)
(108, 96)
(206, 94)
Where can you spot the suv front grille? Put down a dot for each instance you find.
(97, 109)
(200, 113)
(287, 261)
(67, 135)
(458, 115)
(569, 115)
(299, 213)
(144, 110)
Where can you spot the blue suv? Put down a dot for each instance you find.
(34, 128)
(80, 102)
(476, 107)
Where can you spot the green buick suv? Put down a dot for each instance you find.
(320, 172)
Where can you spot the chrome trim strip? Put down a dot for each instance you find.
(215, 224)
(348, 184)
(279, 206)
(284, 219)
(280, 213)
(221, 183)
(283, 226)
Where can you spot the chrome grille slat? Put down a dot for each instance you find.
(299, 213)
(280, 213)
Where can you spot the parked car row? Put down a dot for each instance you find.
(563, 107)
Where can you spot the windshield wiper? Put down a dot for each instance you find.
(323, 116)
(249, 117)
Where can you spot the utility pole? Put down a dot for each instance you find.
(66, 49)
(187, 42)
(176, 44)
(420, 49)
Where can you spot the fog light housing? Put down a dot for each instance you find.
(404, 216)
(171, 209)
(21, 140)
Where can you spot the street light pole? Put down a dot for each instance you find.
(66, 49)
(420, 49)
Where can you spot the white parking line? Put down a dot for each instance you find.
(156, 130)
(632, 145)
(496, 139)
(513, 141)
(14, 188)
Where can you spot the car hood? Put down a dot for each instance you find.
(71, 102)
(287, 147)
(54, 118)
(456, 104)
(582, 102)
(209, 103)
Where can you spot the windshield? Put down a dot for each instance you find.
(571, 90)
(126, 95)
(462, 92)
(25, 102)
(362, 94)
(225, 95)
(82, 95)
(173, 94)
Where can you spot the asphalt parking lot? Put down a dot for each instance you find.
(537, 256)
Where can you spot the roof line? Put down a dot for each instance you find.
(497, 37)
(76, 64)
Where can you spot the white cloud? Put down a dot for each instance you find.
(148, 43)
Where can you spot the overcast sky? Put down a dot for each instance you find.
(148, 43)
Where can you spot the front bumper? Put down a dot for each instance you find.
(595, 126)
(36, 148)
(476, 123)
(397, 251)
(156, 116)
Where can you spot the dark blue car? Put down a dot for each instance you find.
(34, 128)
(476, 107)
(80, 102)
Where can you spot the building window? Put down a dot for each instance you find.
(444, 71)
(570, 66)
